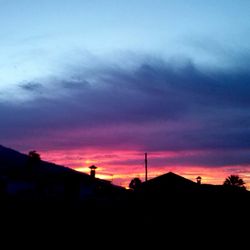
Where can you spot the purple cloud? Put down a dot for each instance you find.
(155, 106)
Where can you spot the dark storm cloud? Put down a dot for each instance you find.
(74, 83)
(31, 86)
(155, 106)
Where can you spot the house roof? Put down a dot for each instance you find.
(169, 182)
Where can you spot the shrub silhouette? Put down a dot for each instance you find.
(34, 159)
(135, 183)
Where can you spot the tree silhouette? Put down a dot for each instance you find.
(135, 183)
(235, 181)
(34, 158)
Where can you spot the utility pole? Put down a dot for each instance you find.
(146, 167)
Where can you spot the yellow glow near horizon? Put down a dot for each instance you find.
(109, 167)
(90, 162)
(123, 179)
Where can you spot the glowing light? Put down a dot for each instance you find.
(90, 162)
(82, 169)
(122, 166)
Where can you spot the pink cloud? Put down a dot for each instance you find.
(121, 166)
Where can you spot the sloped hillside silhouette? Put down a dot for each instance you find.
(58, 198)
(44, 184)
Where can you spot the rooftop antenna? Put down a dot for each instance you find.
(146, 167)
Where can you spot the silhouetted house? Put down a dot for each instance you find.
(176, 191)
(168, 183)
(167, 192)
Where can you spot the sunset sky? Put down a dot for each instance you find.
(101, 82)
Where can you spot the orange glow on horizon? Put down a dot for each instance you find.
(121, 167)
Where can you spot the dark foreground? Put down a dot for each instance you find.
(132, 218)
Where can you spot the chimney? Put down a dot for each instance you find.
(198, 179)
(92, 171)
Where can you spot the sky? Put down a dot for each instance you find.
(103, 82)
